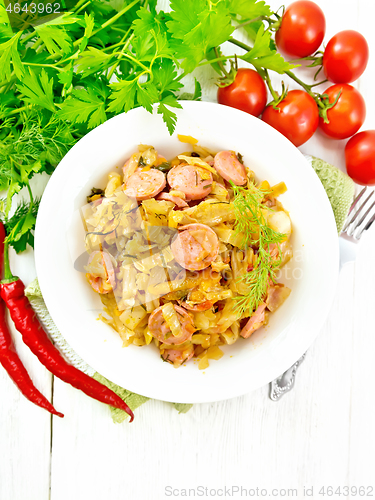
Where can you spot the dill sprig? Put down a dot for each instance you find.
(19, 227)
(20, 212)
(251, 223)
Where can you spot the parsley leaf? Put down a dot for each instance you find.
(169, 117)
(123, 96)
(5, 33)
(55, 37)
(66, 77)
(56, 40)
(263, 55)
(10, 56)
(252, 29)
(196, 96)
(249, 9)
(84, 106)
(147, 21)
(92, 61)
(3, 14)
(198, 26)
(38, 90)
(28, 170)
(89, 28)
(165, 75)
(147, 95)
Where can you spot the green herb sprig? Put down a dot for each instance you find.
(252, 225)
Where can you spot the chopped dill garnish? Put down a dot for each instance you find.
(251, 223)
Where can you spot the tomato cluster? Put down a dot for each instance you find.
(339, 112)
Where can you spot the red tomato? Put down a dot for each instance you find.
(297, 118)
(345, 57)
(360, 157)
(248, 92)
(302, 29)
(347, 115)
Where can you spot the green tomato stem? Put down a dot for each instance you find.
(291, 75)
(239, 44)
(319, 83)
(218, 59)
(306, 87)
(220, 63)
(269, 85)
(250, 21)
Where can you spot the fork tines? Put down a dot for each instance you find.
(361, 214)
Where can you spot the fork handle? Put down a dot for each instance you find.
(285, 382)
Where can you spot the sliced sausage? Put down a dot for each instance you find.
(230, 168)
(195, 182)
(131, 165)
(145, 185)
(161, 331)
(195, 247)
(179, 202)
(176, 357)
(255, 322)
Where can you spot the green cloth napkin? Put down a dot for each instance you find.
(339, 188)
(340, 191)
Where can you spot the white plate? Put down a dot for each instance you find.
(248, 364)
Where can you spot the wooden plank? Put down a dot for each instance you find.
(362, 432)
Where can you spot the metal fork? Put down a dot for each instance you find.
(360, 218)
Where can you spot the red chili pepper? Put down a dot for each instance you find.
(17, 372)
(40, 344)
(9, 358)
